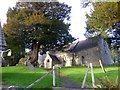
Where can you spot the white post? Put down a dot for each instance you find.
(102, 66)
(1, 54)
(54, 76)
(1, 58)
(83, 84)
(38, 80)
(92, 75)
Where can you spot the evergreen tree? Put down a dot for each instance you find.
(39, 26)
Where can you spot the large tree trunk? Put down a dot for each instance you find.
(34, 53)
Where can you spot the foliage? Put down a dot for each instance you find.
(38, 25)
(104, 15)
(22, 61)
(106, 82)
(21, 76)
(114, 35)
(104, 20)
(39, 22)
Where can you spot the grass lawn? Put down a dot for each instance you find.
(21, 76)
(77, 73)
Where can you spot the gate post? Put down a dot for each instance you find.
(83, 83)
(54, 68)
(102, 66)
(92, 75)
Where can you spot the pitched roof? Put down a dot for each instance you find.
(85, 44)
(2, 39)
(54, 58)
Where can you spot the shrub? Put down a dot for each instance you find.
(22, 61)
(105, 82)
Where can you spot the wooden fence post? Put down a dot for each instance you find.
(0, 59)
(102, 66)
(92, 75)
(83, 84)
(38, 80)
(54, 68)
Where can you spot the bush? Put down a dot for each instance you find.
(105, 82)
(22, 61)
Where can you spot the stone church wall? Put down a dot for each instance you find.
(83, 57)
(86, 56)
(105, 53)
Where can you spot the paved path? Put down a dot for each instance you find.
(69, 84)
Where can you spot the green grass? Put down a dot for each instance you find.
(77, 73)
(21, 76)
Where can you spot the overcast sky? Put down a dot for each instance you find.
(77, 16)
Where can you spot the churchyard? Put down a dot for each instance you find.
(33, 29)
(22, 76)
(106, 80)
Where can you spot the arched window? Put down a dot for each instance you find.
(82, 57)
(48, 60)
(83, 62)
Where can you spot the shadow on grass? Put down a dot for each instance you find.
(22, 79)
(25, 79)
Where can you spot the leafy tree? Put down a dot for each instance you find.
(14, 40)
(114, 35)
(103, 20)
(39, 26)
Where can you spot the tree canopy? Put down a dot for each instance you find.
(39, 25)
(103, 19)
(104, 15)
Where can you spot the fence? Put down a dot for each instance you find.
(53, 70)
(92, 76)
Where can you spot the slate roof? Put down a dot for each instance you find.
(54, 58)
(85, 44)
(2, 39)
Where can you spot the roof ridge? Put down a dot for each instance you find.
(75, 45)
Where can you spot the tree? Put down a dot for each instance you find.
(39, 26)
(114, 35)
(14, 39)
(102, 20)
